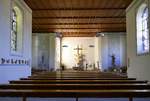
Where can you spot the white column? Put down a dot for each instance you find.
(52, 51)
(98, 62)
(57, 53)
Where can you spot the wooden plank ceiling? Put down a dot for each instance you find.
(78, 17)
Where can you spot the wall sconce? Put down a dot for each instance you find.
(91, 46)
(65, 46)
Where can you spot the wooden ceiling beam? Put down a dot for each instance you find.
(75, 17)
(80, 21)
(78, 33)
(55, 9)
(77, 23)
(79, 30)
(78, 13)
(74, 34)
(78, 17)
(79, 27)
(102, 30)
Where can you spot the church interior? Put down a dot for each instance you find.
(74, 50)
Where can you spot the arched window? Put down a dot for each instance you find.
(16, 30)
(142, 30)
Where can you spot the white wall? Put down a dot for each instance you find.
(14, 71)
(34, 51)
(43, 46)
(113, 43)
(43, 51)
(68, 53)
(138, 66)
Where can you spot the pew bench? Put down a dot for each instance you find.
(76, 93)
(80, 78)
(75, 81)
(75, 86)
(78, 74)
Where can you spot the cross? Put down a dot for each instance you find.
(78, 49)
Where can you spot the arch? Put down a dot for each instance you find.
(142, 29)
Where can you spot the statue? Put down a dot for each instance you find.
(113, 60)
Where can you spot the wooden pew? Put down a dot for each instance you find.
(75, 81)
(59, 87)
(59, 77)
(77, 74)
(75, 86)
(75, 93)
(69, 78)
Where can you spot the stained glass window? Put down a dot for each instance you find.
(142, 30)
(145, 32)
(14, 31)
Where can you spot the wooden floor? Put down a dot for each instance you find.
(76, 84)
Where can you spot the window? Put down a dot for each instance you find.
(142, 30)
(16, 30)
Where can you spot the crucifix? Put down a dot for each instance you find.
(79, 57)
(78, 50)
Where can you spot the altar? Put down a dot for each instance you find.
(78, 68)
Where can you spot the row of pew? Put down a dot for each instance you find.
(76, 84)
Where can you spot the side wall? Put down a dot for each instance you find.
(113, 43)
(11, 71)
(138, 66)
(43, 51)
